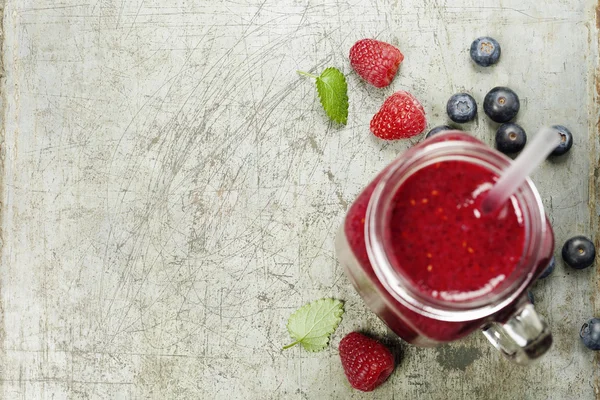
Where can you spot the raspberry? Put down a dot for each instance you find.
(367, 363)
(401, 116)
(376, 62)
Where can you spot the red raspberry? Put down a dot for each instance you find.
(367, 363)
(375, 61)
(401, 116)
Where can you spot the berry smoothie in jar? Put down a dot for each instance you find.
(432, 265)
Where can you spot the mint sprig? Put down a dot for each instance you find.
(333, 93)
(312, 324)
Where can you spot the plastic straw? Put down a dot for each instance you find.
(534, 154)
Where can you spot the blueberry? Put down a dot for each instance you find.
(485, 51)
(461, 108)
(438, 129)
(579, 252)
(590, 334)
(549, 269)
(530, 295)
(501, 104)
(510, 138)
(566, 140)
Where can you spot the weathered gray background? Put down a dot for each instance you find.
(171, 189)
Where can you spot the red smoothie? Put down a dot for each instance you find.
(441, 241)
(449, 255)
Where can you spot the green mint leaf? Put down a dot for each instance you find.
(333, 92)
(312, 324)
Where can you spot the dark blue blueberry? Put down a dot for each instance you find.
(510, 138)
(549, 269)
(590, 334)
(530, 295)
(579, 252)
(566, 141)
(438, 129)
(485, 51)
(501, 104)
(461, 108)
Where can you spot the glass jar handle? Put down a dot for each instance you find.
(523, 338)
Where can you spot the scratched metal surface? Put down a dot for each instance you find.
(171, 189)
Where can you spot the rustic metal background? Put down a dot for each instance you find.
(171, 189)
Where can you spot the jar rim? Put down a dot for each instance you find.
(397, 284)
